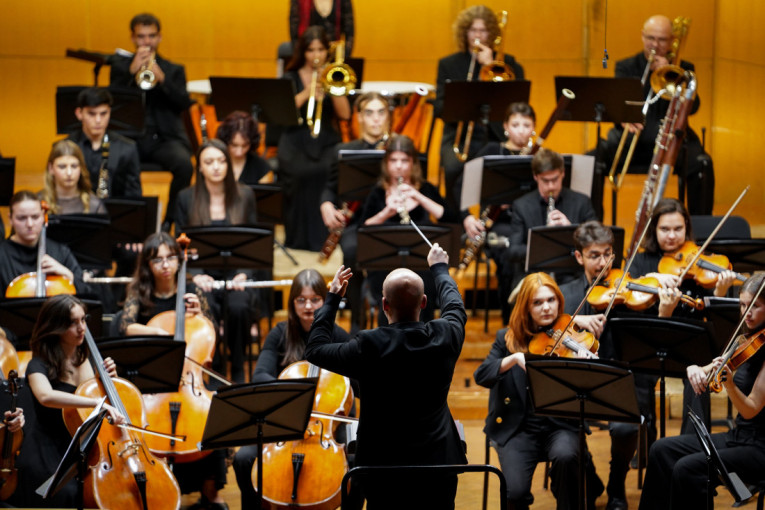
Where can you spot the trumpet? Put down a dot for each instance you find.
(497, 70)
(145, 77)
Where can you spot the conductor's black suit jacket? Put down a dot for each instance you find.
(404, 372)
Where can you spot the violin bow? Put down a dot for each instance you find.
(712, 235)
(583, 301)
(729, 347)
(627, 267)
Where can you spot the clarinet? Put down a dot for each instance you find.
(550, 206)
(402, 212)
(102, 190)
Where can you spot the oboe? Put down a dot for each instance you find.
(102, 190)
(550, 207)
(402, 212)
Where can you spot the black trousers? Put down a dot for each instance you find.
(173, 156)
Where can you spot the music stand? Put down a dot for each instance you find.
(385, 247)
(268, 200)
(7, 173)
(259, 413)
(84, 234)
(746, 255)
(99, 59)
(551, 249)
(75, 460)
(731, 481)
(132, 219)
(573, 388)
(358, 171)
(153, 363)
(663, 347)
(127, 116)
(270, 100)
(19, 315)
(600, 100)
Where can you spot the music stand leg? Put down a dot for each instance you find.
(259, 489)
(286, 252)
(614, 196)
(710, 471)
(486, 296)
(582, 455)
(662, 398)
(82, 471)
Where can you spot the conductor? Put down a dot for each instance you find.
(404, 371)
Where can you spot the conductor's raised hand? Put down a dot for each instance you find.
(340, 281)
(437, 255)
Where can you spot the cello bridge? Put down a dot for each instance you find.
(131, 449)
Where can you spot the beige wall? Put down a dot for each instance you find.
(403, 41)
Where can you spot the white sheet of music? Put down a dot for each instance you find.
(582, 171)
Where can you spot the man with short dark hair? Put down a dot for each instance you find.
(404, 371)
(122, 174)
(164, 141)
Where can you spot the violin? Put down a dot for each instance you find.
(309, 472)
(11, 443)
(745, 347)
(705, 270)
(563, 340)
(635, 293)
(38, 284)
(184, 411)
(123, 474)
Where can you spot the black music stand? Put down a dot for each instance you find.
(84, 234)
(270, 100)
(482, 101)
(132, 219)
(75, 460)
(385, 247)
(746, 255)
(7, 173)
(731, 481)
(663, 347)
(259, 413)
(127, 117)
(233, 247)
(154, 363)
(358, 171)
(18, 317)
(551, 249)
(582, 389)
(99, 59)
(602, 100)
(268, 200)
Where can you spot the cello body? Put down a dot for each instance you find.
(183, 412)
(24, 286)
(121, 458)
(307, 473)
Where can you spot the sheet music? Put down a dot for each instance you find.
(582, 171)
(471, 183)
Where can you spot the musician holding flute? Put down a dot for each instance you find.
(657, 37)
(164, 141)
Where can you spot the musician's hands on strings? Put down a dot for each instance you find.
(340, 282)
(14, 420)
(437, 255)
(111, 367)
(724, 281)
(668, 300)
(592, 323)
(193, 306)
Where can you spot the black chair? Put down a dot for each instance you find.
(487, 461)
(735, 227)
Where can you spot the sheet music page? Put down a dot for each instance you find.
(471, 183)
(582, 171)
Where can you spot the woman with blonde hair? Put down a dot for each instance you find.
(67, 182)
(521, 438)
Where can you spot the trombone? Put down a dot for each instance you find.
(497, 70)
(337, 79)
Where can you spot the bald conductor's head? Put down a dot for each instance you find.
(403, 296)
(657, 35)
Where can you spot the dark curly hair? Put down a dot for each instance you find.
(242, 123)
(54, 319)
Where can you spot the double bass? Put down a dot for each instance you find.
(308, 473)
(123, 473)
(184, 411)
(10, 443)
(38, 284)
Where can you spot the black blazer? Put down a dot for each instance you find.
(404, 372)
(164, 103)
(123, 164)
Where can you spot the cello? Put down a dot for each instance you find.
(125, 475)
(184, 411)
(308, 473)
(38, 284)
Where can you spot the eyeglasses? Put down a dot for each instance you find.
(315, 301)
(596, 255)
(159, 261)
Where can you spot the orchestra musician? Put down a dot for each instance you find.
(153, 291)
(402, 193)
(164, 141)
(284, 345)
(677, 473)
(475, 29)
(216, 199)
(533, 210)
(67, 182)
(698, 172)
(123, 167)
(239, 131)
(521, 438)
(404, 371)
(59, 365)
(336, 16)
(18, 254)
(373, 112)
(304, 156)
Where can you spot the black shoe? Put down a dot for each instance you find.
(617, 504)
